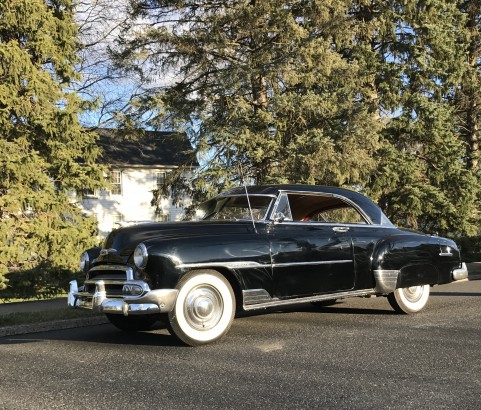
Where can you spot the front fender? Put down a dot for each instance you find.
(244, 258)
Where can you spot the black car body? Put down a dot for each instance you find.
(259, 247)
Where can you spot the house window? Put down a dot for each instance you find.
(90, 193)
(116, 181)
(160, 178)
(162, 217)
(117, 219)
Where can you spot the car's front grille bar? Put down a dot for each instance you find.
(103, 269)
(113, 277)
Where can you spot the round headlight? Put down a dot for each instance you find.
(141, 256)
(84, 262)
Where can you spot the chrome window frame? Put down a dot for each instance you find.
(323, 194)
(243, 195)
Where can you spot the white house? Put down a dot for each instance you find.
(137, 168)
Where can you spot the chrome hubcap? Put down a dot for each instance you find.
(203, 307)
(414, 293)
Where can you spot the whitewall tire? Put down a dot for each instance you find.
(409, 300)
(204, 309)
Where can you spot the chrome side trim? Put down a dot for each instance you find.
(230, 265)
(327, 224)
(253, 265)
(153, 301)
(333, 262)
(386, 280)
(255, 296)
(460, 273)
(273, 302)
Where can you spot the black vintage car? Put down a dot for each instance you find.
(260, 247)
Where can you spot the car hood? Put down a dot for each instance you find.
(120, 243)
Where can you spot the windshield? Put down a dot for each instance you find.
(234, 208)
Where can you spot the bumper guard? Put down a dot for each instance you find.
(460, 273)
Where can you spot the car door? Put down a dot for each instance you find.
(310, 254)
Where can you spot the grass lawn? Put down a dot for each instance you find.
(13, 319)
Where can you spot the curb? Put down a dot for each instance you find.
(55, 325)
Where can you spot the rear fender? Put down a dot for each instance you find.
(405, 260)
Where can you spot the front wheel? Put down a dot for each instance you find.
(204, 309)
(409, 300)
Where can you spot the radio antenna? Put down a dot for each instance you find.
(247, 196)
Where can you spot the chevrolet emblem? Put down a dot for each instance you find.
(105, 252)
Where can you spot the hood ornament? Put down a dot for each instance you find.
(105, 252)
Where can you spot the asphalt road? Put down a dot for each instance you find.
(357, 354)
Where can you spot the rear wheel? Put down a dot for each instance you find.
(204, 309)
(133, 323)
(409, 300)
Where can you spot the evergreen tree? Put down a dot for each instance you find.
(44, 152)
(261, 85)
(468, 94)
(358, 93)
(467, 101)
(417, 51)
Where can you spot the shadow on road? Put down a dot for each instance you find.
(336, 308)
(105, 334)
(455, 294)
(159, 335)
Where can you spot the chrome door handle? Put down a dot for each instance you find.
(340, 229)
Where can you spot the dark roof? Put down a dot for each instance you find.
(368, 206)
(150, 148)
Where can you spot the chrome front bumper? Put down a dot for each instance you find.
(151, 301)
(460, 273)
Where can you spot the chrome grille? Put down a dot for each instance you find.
(108, 276)
(114, 277)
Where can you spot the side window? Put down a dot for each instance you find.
(323, 208)
(340, 215)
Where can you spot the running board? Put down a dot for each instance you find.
(260, 298)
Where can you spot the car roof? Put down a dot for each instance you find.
(368, 206)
